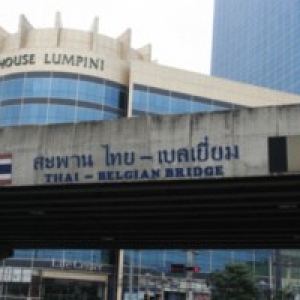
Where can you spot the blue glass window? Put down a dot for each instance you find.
(109, 115)
(90, 256)
(207, 260)
(182, 105)
(140, 101)
(149, 100)
(12, 89)
(34, 114)
(112, 96)
(10, 115)
(63, 88)
(24, 254)
(37, 87)
(91, 91)
(158, 103)
(45, 97)
(199, 106)
(61, 114)
(87, 114)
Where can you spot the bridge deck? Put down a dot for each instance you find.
(253, 212)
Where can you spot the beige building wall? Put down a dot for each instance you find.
(115, 54)
(122, 64)
(196, 84)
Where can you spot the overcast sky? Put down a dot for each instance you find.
(179, 31)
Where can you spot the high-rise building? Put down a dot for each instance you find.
(258, 42)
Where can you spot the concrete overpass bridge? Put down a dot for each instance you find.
(248, 212)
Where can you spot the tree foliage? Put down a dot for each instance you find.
(233, 283)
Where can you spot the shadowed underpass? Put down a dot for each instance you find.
(252, 212)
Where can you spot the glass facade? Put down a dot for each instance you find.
(88, 256)
(50, 98)
(206, 260)
(154, 101)
(258, 42)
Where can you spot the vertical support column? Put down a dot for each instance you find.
(271, 282)
(163, 277)
(189, 275)
(119, 277)
(131, 275)
(278, 270)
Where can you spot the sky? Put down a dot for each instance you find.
(180, 32)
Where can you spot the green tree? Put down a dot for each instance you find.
(235, 282)
(284, 295)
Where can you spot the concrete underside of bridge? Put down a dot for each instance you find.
(249, 212)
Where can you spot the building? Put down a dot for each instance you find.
(57, 75)
(65, 76)
(257, 42)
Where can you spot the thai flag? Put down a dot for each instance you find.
(5, 168)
